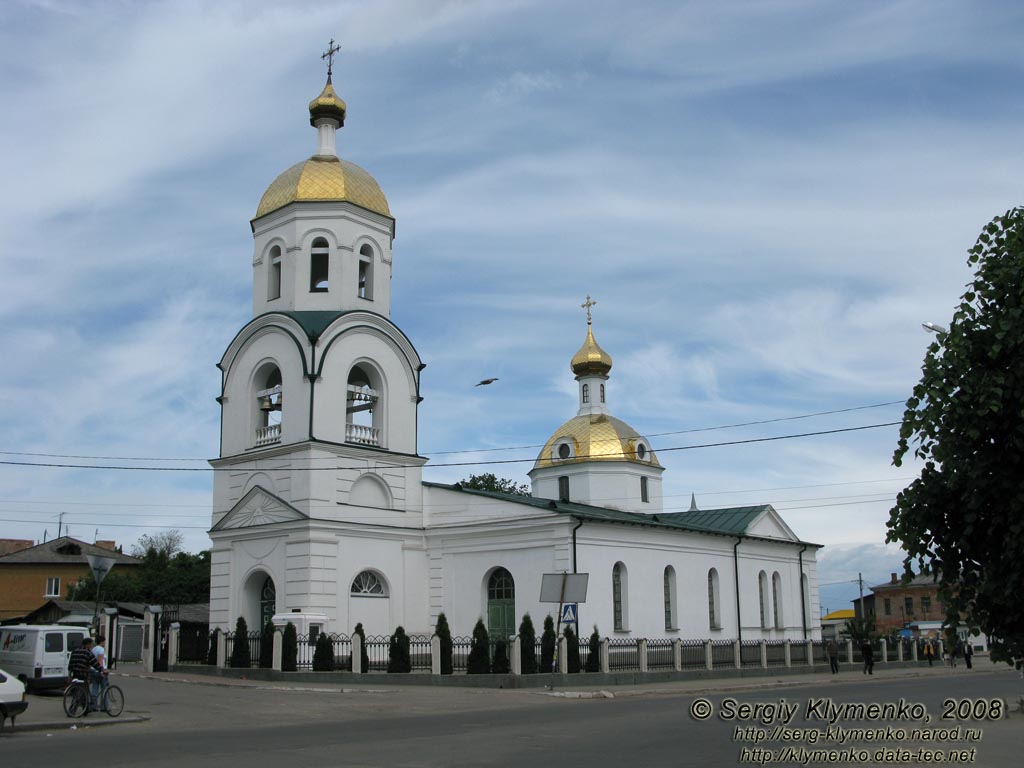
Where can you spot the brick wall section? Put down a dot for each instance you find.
(921, 591)
(23, 585)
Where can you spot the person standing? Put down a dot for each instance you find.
(83, 665)
(968, 654)
(954, 651)
(869, 657)
(929, 651)
(833, 655)
(98, 680)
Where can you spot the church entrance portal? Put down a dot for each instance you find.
(501, 605)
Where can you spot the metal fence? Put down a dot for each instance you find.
(660, 654)
(253, 641)
(420, 652)
(820, 652)
(750, 653)
(623, 654)
(693, 654)
(776, 651)
(193, 643)
(798, 653)
(722, 654)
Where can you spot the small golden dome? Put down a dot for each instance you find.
(324, 179)
(596, 437)
(327, 104)
(591, 359)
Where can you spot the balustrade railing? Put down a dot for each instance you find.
(362, 435)
(269, 434)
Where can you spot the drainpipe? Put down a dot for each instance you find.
(803, 597)
(736, 569)
(579, 524)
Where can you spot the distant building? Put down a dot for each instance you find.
(833, 624)
(32, 575)
(897, 603)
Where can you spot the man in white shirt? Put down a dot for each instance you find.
(99, 681)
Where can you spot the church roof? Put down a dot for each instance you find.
(324, 179)
(591, 360)
(596, 437)
(64, 550)
(732, 521)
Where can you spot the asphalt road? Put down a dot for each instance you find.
(195, 724)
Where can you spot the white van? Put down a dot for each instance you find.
(37, 654)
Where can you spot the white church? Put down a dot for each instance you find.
(320, 509)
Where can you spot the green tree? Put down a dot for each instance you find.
(211, 655)
(528, 646)
(364, 657)
(289, 649)
(963, 518)
(548, 641)
(160, 579)
(594, 652)
(444, 635)
(859, 630)
(501, 665)
(572, 651)
(491, 482)
(240, 656)
(398, 652)
(167, 543)
(323, 655)
(479, 661)
(267, 646)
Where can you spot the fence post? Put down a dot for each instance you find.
(737, 654)
(849, 651)
(222, 650)
(810, 653)
(278, 655)
(913, 651)
(677, 655)
(149, 638)
(517, 655)
(172, 644)
(941, 645)
(709, 655)
(899, 650)
(357, 653)
(764, 654)
(789, 653)
(885, 650)
(641, 651)
(605, 667)
(563, 655)
(435, 656)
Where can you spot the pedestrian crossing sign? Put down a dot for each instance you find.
(569, 613)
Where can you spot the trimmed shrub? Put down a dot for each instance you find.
(594, 658)
(363, 655)
(211, 655)
(528, 646)
(398, 653)
(289, 649)
(479, 661)
(572, 653)
(323, 656)
(240, 656)
(501, 665)
(444, 634)
(548, 641)
(267, 646)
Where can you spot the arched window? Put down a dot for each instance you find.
(369, 584)
(563, 488)
(644, 496)
(620, 597)
(364, 406)
(670, 598)
(365, 290)
(762, 594)
(602, 393)
(586, 393)
(319, 266)
(269, 403)
(777, 599)
(714, 607)
(274, 274)
(501, 604)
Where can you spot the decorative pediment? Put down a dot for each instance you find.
(770, 525)
(259, 507)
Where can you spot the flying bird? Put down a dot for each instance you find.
(486, 382)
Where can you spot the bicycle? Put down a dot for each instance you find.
(77, 699)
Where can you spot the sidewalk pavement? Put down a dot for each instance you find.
(46, 711)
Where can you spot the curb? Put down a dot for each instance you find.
(75, 725)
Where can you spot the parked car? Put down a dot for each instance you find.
(37, 654)
(12, 698)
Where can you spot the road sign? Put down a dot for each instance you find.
(569, 613)
(100, 566)
(564, 587)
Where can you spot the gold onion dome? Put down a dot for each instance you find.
(327, 104)
(324, 179)
(597, 437)
(591, 360)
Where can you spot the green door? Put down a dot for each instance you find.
(501, 605)
(268, 603)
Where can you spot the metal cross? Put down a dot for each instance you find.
(329, 55)
(587, 305)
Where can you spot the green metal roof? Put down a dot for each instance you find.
(721, 522)
(313, 322)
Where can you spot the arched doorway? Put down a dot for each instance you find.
(501, 605)
(268, 602)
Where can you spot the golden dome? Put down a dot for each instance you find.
(324, 179)
(327, 104)
(591, 359)
(596, 437)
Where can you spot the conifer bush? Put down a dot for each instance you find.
(363, 655)
(501, 665)
(398, 653)
(289, 649)
(479, 661)
(528, 646)
(572, 653)
(267, 646)
(548, 641)
(444, 634)
(594, 657)
(323, 656)
(240, 656)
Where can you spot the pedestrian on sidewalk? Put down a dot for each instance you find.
(869, 657)
(833, 655)
(968, 654)
(954, 651)
(929, 651)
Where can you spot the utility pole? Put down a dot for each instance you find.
(60, 522)
(860, 584)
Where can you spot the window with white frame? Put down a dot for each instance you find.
(762, 594)
(620, 597)
(644, 494)
(369, 584)
(319, 266)
(777, 599)
(53, 587)
(365, 289)
(274, 274)
(669, 589)
(714, 607)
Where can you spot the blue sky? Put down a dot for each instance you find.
(766, 199)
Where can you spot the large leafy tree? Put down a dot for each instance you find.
(963, 518)
(491, 482)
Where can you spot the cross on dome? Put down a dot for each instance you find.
(329, 55)
(587, 305)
